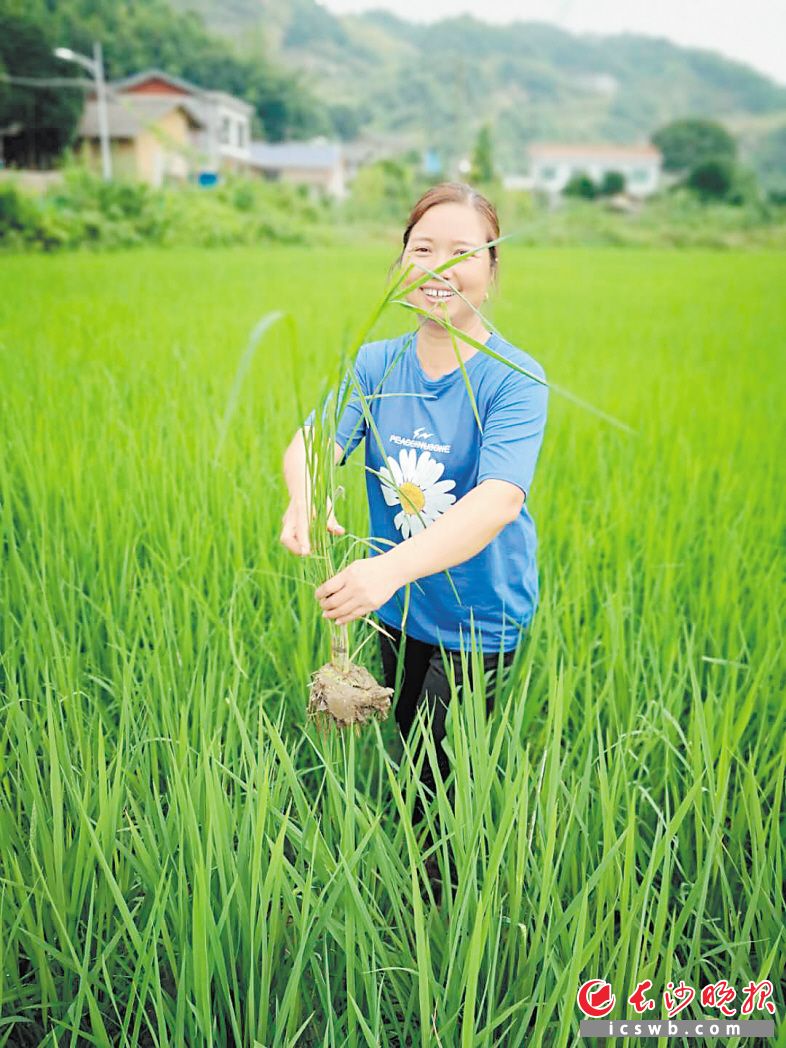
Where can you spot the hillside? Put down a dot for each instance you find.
(435, 84)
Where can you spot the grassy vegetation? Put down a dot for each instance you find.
(183, 861)
(85, 213)
(671, 220)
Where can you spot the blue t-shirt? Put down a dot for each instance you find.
(435, 453)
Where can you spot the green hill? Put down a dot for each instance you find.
(435, 84)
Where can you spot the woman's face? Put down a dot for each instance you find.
(444, 231)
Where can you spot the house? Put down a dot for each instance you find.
(150, 140)
(224, 139)
(319, 164)
(518, 183)
(553, 165)
(198, 132)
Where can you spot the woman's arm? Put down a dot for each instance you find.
(295, 466)
(295, 530)
(463, 530)
(459, 533)
(512, 435)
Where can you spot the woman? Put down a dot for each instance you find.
(444, 496)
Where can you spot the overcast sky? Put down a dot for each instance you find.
(752, 31)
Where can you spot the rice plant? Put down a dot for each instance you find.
(184, 860)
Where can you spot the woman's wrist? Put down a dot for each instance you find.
(401, 563)
(296, 472)
(298, 489)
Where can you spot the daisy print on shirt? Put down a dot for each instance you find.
(421, 494)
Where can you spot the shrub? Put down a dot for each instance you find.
(712, 179)
(612, 182)
(581, 185)
(85, 210)
(722, 179)
(16, 211)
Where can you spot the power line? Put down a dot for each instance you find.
(47, 81)
(115, 95)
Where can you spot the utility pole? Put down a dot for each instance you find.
(103, 115)
(95, 66)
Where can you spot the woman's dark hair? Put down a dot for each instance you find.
(454, 193)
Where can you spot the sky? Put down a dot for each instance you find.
(753, 31)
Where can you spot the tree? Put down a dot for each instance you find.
(688, 142)
(482, 161)
(347, 120)
(580, 185)
(384, 190)
(47, 115)
(771, 160)
(712, 179)
(719, 179)
(284, 105)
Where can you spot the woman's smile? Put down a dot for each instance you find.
(437, 294)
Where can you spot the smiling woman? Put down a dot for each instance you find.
(450, 220)
(455, 441)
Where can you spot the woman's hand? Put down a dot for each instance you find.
(362, 587)
(295, 530)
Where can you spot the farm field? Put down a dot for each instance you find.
(184, 861)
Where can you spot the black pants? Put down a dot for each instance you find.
(426, 682)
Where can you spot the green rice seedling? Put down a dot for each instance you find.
(183, 861)
(341, 692)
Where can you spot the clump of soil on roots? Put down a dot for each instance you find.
(343, 693)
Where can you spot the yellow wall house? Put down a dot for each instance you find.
(151, 139)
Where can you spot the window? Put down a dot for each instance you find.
(223, 134)
(241, 134)
(639, 174)
(548, 173)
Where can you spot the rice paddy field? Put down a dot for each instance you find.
(184, 860)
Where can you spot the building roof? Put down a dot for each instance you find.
(231, 101)
(594, 149)
(176, 85)
(127, 118)
(370, 147)
(137, 79)
(282, 155)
